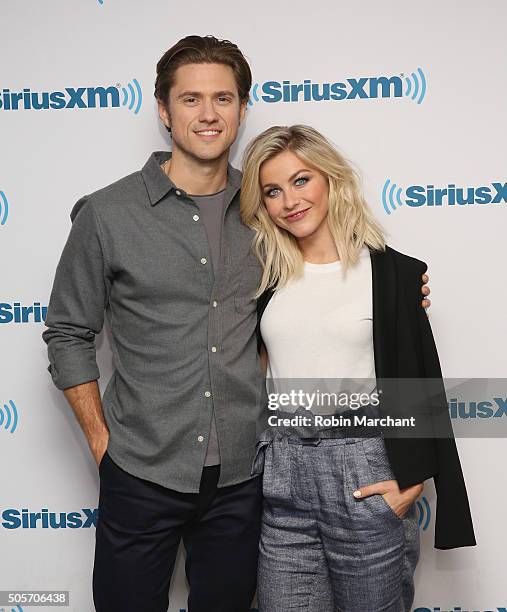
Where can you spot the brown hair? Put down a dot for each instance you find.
(202, 50)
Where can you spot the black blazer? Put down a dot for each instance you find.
(404, 348)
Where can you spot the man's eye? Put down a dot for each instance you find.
(190, 100)
(224, 99)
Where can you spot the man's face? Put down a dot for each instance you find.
(204, 111)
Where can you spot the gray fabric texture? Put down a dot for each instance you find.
(138, 252)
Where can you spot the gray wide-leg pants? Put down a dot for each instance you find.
(321, 550)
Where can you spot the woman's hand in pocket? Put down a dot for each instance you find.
(398, 499)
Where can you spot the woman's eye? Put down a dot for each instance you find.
(304, 180)
(271, 192)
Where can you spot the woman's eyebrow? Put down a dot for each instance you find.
(293, 176)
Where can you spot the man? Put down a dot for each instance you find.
(163, 252)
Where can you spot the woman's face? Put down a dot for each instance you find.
(295, 195)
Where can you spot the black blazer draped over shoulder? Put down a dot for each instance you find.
(404, 348)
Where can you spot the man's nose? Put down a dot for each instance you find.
(208, 113)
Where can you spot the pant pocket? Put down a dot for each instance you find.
(378, 468)
(277, 470)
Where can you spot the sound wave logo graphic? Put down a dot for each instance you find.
(253, 94)
(18, 608)
(424, 511)
(9, 415)
(4, 208)
(132, 97)
(416, 86)
(391, 196)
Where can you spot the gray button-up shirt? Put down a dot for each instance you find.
(183, 341)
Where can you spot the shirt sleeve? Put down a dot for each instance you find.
(78, 299)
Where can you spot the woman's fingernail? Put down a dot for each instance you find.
(357, 494)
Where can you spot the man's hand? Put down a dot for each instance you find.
(99, 449)
(400, 500)
(87, 405)
(425, 290)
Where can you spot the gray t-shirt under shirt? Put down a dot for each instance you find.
(212, 209)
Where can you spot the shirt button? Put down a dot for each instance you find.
(177, 192)
(200, 438)
(195, 217)
(214, 304)
(203, 260)
(207, 394)
(213, 349)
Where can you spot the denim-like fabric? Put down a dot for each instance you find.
(321, 550)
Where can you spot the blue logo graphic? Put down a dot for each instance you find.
(12, 518)
(429, 195)
(417, 81)
(4, 208)
(424, 512)
(478, 410)
(396, 86)
(9, 414)
(134, 97)
(74, 97)
(16, 313)
(391, 196)
(18, 608)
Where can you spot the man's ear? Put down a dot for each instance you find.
(163, 113)
(242, 110)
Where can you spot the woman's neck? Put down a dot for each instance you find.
(319, 247)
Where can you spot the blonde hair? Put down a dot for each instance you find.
(350, 220)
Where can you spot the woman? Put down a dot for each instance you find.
(339, 525)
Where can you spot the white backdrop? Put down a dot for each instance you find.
(450, 56)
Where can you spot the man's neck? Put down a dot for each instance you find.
(196, 176)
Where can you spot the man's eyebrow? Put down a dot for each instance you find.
(293, 176)
(198, 94)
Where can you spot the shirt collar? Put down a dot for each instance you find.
(158, 184)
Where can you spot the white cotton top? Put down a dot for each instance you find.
(321, 325)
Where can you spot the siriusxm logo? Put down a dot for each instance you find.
(424, 513)
(413, 87)
(429, 195)
(9, 416)
(4, 208)
(12, 518)
(459, 609)
(18, 608)
(16, 313)
(478, 410)
(113, 96)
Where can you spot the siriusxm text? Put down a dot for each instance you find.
(13, 518)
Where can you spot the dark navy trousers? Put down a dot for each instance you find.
(139, 529)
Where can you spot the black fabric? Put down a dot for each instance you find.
(404, 347)
(139, 529)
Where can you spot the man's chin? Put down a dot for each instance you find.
(209, 154)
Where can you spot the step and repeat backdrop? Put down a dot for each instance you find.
(413, 93)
